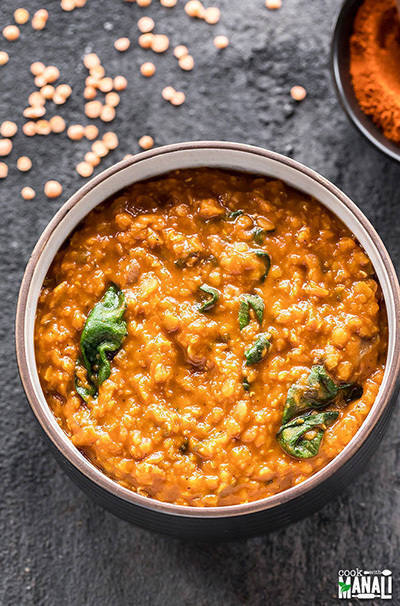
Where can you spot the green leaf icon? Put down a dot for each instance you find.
(344, 586)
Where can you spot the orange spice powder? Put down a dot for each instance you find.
(375, 64)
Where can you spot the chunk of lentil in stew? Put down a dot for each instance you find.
(182, 418)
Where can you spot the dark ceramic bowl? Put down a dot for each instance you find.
(205, 523)
(340, 65)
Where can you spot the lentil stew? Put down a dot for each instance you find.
(210, 338)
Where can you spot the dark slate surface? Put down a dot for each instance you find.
(56, 546)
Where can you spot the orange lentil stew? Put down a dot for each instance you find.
(210, 338)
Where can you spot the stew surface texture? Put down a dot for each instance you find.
(210, 338)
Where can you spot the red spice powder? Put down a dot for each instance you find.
(375, 64)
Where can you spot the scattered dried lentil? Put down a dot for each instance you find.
(106, 85)
(273, 5)
(40, 81)
(107, 113)
(11, 33)
(58, 99)
(110, 140)
(97, 72)
(84, 169)
(64, 90)
(194, 8)
(5, 147)
(43, 127)
(212, 15)
(298, 93)
(57, 124)
(51, 73)
(34, 112)
(186, 63)
(99, 148)
(112, 99)
(147, 69)
(91, 132)
(4, 58)
(28, 193)
(93, 109)
(52, 189)
(21, 16)
(178, 98)
(8, 129)
(180, 51)
(3, 170)
(92, 158)
(145, 24)
(145, 40)
(146, 142)
(24, 164)
(122, 44)
(167, 93)
(29, 129)
(39, 19)
(76, 132)
(37, 68)
(36, 99)
(91, 60)
(120, 83)
(89, 92)
(160, 43)
(68, 5)
(221, 42)
(47, 91)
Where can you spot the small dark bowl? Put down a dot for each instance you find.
(340, 66)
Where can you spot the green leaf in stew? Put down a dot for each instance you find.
(258, 350)
(101, 338)
(213, 296)
(267, 260)
(293, 438)
(248, 302)
(317, 391)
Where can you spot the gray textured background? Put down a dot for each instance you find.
(56, 546)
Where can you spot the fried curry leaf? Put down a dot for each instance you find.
(235, 213)
(259, 235)
(210, 302)
(189, 261)
(292, 438)
(257, 351)
(348, 392)
(317, 391)
(244, 314)
(321, 387)
(246, 384)
(184, 447)
(101, 338)
(256, 304)
(85, 392)
(267, 260)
